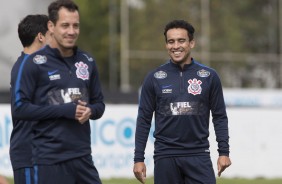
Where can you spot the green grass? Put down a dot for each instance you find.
(219, 181)
(249, 181)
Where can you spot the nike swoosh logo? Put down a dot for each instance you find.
(167, 86)
(52, 72)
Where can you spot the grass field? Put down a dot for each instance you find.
(219, 181)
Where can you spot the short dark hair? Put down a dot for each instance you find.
(55, 6)
(180, 24)
(30, 26)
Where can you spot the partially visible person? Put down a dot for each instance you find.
(33, 33)
(181, 94)
(60, 90)
(3, 180)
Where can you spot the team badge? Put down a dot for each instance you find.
(194, 87)
(203, 73)
(160, 75)
(82, 70)
(39, 59)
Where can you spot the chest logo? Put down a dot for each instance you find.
(82, 70)
(71, 95)
(194, 87)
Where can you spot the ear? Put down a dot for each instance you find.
(50, 26)
(192, 43)
(40, 37)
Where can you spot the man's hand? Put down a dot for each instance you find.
(85, 116)
(83, 113)
(79, 111)
(222, 163)
(139, 171)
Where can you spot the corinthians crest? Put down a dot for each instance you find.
(82, 70)
(194, 86)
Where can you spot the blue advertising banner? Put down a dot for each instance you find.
(112, 139)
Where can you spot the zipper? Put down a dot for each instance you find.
(68, 66)
(181, 82)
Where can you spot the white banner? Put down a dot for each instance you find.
(253, 97)
(255, 140)
(5, 131)
(113, 142)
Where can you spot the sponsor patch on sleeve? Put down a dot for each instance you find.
(39, 59)
(203, 73)
(160, 75)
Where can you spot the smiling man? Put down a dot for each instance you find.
(60, 90)
(181, 94)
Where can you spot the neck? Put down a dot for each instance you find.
(31, 49)
(65, 52)
(181, 64)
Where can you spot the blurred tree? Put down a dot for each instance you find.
(244, 26)
(94, 33)
(249, 32)
(244, 37)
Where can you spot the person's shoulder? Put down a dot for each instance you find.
(20, 58)
(163, 67)
(204, 70)
(38, 57)
(159, 72)
(18, 63)
(85, 56)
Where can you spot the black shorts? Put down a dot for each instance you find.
(23, 176)
(76, 171)
(184, 170)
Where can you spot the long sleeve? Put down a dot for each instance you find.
(22, 92)
(219, 116)
(144, 118)
(96, 103)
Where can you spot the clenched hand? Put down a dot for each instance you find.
(82, 113)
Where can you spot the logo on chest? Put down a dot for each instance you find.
(194, 87)
(82, 70)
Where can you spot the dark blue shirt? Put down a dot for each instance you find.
(181, 101)
(20, 141)
(49, 89)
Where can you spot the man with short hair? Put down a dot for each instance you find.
(33, 34)
(181, 94)
(61, 89)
